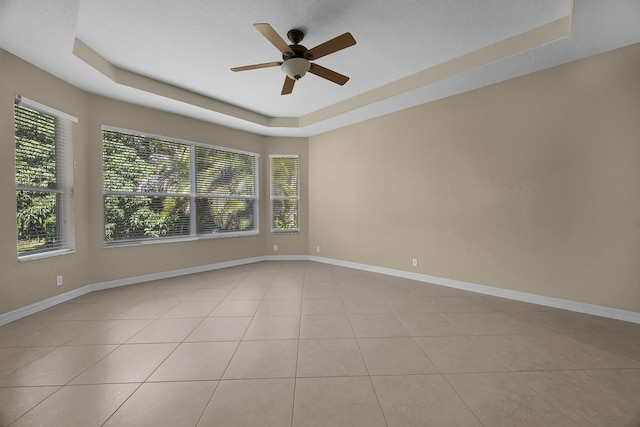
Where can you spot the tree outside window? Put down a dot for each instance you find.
(159, 188)
(285, 193)
(43, 189)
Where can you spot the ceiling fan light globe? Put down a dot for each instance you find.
(295, 68)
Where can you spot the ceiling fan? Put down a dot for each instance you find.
(296, 58)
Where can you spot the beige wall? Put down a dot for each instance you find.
(121, 262)
(24, 283)
(529, 185)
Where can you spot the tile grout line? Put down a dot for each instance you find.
(54, 348)
(123, 402)
(162, 362)
(38, 404)
(462, 399)
(524, 382)
(375, 393)
(150, 374)
(516, 374)
(239, 341)
(582, 371)
(295, 374)
(204, 409)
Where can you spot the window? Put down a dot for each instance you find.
(285, 193)
(158, 188)
(226, 190)
(43, 178)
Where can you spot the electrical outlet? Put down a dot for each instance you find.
(318, 249)
(59, 281)
(275, 248)
(414, 262)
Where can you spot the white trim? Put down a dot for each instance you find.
(35, 105)
(597, 310)
(178, 239)
(146, 134)
(58, 299)
(42, 305)
(64, 170)
(286, 258)
(580, 307)
(173, 273)
(286, 156)
(45, 254)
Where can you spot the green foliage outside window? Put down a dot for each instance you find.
(148, 194)
(133, 163)
(36, 180)
(284, 193)
(226, 189)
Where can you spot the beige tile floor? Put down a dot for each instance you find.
(308, 344)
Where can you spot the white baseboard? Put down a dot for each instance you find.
(58, 299)
(42, 305)
(612, 313)
(597, 310)
(286, 258)
(173, 273)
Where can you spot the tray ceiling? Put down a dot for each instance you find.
(176, 56)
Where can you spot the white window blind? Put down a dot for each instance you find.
(146, 187)
(44, 175)
(155, 188)
(285, 193)
(226, 190)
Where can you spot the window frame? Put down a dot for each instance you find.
(273, 198)
(192, 195)
(64, 167)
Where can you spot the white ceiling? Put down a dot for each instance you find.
(192, 44)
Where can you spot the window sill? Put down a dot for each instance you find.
(42, 255)
(130, 243)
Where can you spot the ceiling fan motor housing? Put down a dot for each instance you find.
(296, 67)
(298, 50)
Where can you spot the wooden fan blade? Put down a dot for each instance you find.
(270, 34)
(333, 45)
(287, 88)
(328, 74)
(256, 66)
